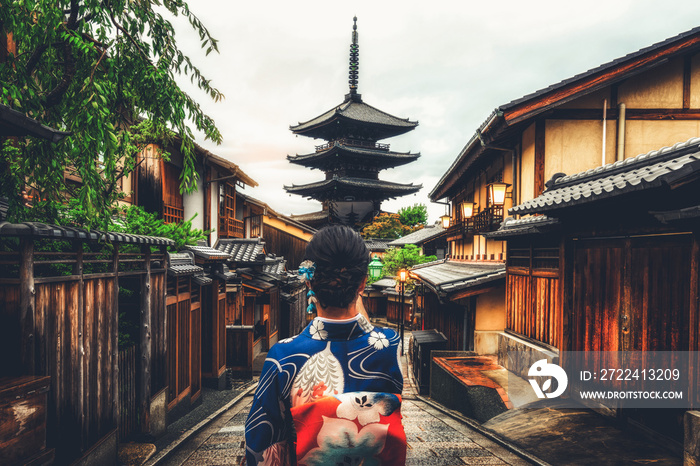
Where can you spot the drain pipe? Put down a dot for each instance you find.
(605, 128)
(621, 119)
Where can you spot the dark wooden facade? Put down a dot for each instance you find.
(620, 279)
(533, 290)
(454, 319)
(393, 309)
(183, 305)
(281, 243)
(214, 333)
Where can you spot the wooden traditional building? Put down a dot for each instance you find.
(377, 246)
(626, 238)
(283, 235)
(215, 205)
(254, 315)
(216, 282)
(634, 104)
(351, 158)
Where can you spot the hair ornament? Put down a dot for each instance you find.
(311, 296)
(307, 269)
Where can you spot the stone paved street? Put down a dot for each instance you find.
(434, 438)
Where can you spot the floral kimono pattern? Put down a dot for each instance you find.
(327, 394)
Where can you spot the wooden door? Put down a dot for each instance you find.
(634, 294)
(597, 295)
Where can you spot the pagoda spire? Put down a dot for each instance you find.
(354, 60)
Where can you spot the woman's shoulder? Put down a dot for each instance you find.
(388, 331)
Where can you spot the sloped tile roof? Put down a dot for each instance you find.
(374, 157)
(275, 266)
(36, 229)
(603, 67)
(646, 171)
(208, 253)
(385, 283)
(182, 263)
(419, 237)
(472, 150)
(357, 111)
(377, 244)
(242, 250)
(523, 226)
(365, 184)
(445, 277)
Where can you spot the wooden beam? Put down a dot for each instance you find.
(471, 292)
(539, 156)
(686, 80)
(631, 114)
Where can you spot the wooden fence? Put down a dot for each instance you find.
(128, 402)
(59, 314)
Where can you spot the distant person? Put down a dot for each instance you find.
(331, 395)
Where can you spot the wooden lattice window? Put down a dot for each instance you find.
(173, 206)
(229, 225)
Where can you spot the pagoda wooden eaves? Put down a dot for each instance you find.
(355, 189)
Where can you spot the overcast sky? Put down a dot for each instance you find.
(447, 64)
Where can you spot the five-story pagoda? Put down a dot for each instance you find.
(352, 158)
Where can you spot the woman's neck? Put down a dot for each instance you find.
(338, 313)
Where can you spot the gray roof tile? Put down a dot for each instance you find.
(419, 237)
(445, 277)
(646, 171)
(523, 226)
(242, 250)
(358, 111)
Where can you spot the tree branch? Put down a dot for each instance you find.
(131, 39)
(54, 97)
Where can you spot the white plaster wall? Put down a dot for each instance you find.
(214, 214)
(194, 204)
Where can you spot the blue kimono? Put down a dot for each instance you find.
(328, 359)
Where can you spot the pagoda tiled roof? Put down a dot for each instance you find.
(338, 188)
(343, 152)
(353, 110)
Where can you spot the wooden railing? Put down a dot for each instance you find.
(232, 228)
(352, 142)
(460, 230)
(488, 219)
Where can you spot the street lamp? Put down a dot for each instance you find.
(468, 209)
(445, 219)
(375, 268)
(497, 192)
(402, 277)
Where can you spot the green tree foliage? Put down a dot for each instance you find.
(406, 257)
(415, 215)
(387, 226)
(105, 71)
(137, 221)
